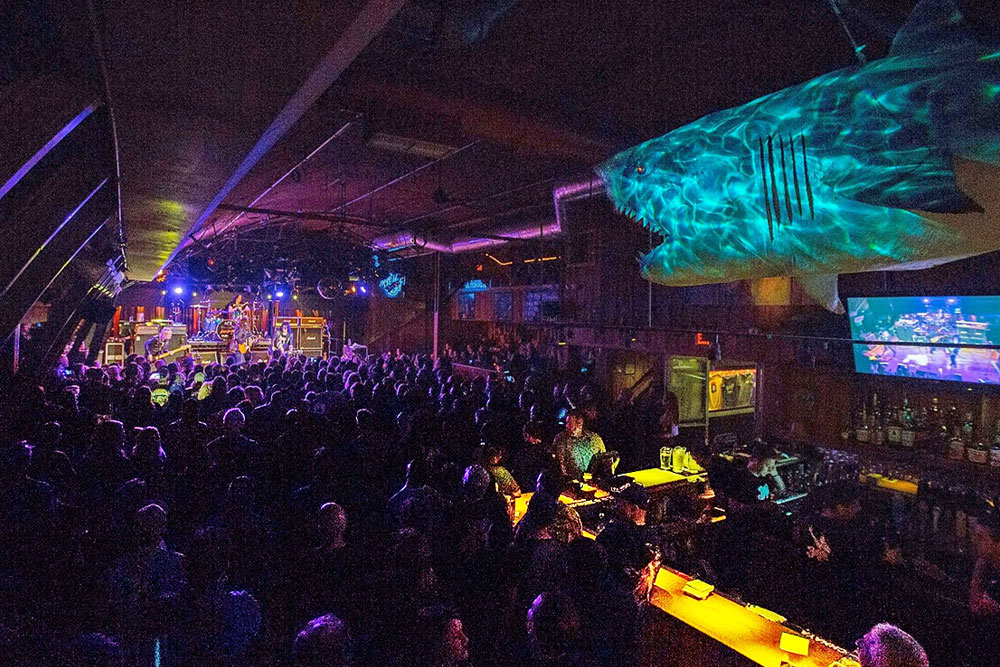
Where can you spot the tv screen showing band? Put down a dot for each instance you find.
(944, 336)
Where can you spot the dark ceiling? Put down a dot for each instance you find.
(552, 89)
(441, 115)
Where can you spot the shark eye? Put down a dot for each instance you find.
(640, 169)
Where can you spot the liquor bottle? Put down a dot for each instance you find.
(923, 429)
(956, 445)
(894, 427)
(907, 435)
(979, 453)
(967, 429)
(861, 433)
(995, 456)
(878, 424)
(995, 450)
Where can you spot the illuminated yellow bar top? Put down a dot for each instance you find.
(890, 483)
(654, 477)
(733, 624)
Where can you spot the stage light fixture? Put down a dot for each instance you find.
(194, 294)
(295, 297)
(270, 297)
(364, 290)
(178, 290)
(163, 292)
(279, 294)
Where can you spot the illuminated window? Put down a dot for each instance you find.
(466, 305)
(541, 305)
(503, 306)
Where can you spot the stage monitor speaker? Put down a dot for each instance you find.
(209, 353)
(114, 352)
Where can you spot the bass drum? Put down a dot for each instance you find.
(224, 330)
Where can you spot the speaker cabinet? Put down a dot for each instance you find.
(114, 352)
(307, 333)
(310, 340)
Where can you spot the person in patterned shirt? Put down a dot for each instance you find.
(575, 447)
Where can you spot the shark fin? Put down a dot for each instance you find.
(823, 289)
(933, 25)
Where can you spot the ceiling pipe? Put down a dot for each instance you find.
(562, 194)
(565, 192)
(519, 231)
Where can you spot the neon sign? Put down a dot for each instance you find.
(475, 285)
(392, 285)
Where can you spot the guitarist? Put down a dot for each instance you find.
(159, 345)
(282, 341)
(243, 340)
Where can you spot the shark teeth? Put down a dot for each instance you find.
(635, 217)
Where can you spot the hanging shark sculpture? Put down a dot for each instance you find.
(888, 166)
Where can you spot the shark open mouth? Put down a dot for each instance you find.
(637, 217)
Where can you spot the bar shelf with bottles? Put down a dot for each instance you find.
(918, 439)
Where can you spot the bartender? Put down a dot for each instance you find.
(763, 466)
(574, 447)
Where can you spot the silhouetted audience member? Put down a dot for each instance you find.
(323, 642)
(887, 646)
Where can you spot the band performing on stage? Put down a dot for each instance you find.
(243, 329)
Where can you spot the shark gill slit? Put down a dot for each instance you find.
(784, 178)
(774, 180)
(805, 173)
(795, 173)
(763, 180)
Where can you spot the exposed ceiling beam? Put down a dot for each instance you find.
(301, 215)
(372, 18)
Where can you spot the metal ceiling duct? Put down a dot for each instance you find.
(567, 191)
(528, 229)
(562, 194)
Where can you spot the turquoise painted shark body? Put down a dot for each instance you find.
(851, 171)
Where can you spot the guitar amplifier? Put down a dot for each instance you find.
(309, 339)
(307, 333)
(144, 332)
(114, 352)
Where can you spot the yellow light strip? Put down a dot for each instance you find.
(527, 261)
(498, 261)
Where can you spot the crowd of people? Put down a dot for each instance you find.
(311, 512)
(302, 510)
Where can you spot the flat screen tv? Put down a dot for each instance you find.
(941, 336)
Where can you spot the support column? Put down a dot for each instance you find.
(437, 303)
(17, 345)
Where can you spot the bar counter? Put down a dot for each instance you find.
(753, 632)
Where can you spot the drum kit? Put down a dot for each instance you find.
(219, 324)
